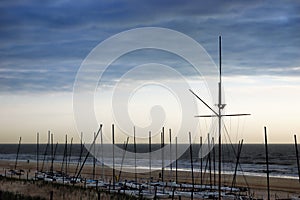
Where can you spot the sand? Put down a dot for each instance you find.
(280, 187)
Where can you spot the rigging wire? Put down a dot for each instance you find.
(235, 154)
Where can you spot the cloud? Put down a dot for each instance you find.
(44, 43)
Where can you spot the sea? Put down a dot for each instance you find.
(252, 160)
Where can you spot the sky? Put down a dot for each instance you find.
(44, 43)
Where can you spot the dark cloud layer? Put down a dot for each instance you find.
(44, 42)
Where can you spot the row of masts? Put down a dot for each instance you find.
(66, 159)
(68, 152)
(53, 153)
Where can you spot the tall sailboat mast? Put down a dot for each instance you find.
(219, 115)
(220, 108)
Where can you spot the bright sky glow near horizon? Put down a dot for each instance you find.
(43, 44)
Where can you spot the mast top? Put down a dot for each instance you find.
(220, 58)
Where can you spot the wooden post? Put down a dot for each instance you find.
(51, 195)
(173, 192)
(99, 194)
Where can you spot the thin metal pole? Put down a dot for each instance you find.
(123, 157)
(81, 146)
(201, 163)
(94, 159)
(162, 154)
(214, 158)
(150, 155)
(220, 117)
(16, 163)
(134, 146)
(267, 162)
(66, 164)
(209, 161)
(80, 155)
(49, 143)
(37, 151)
(297, 155)
(102, 156)
(52, 155)
(170, 139)
(46, 151)
(113, 152)
(176, 151)
(70, 153)
(192, 165)
(64, 158)
(55, 150)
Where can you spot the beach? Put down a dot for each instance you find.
(279, 187)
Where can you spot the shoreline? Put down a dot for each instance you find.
(228, 173)
(279, 187)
